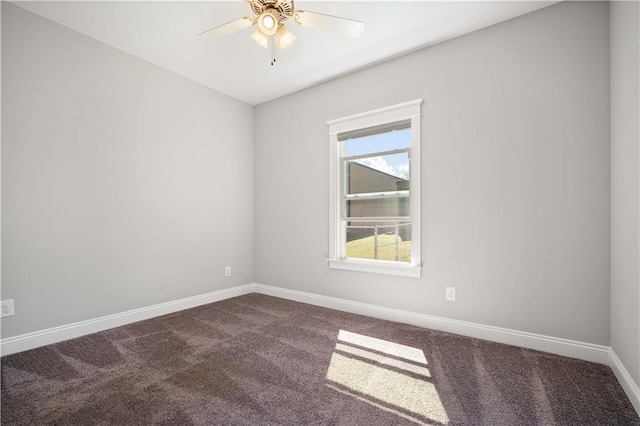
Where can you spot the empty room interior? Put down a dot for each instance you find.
(346, 213)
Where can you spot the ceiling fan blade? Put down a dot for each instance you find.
(228, 28)
(344, 26)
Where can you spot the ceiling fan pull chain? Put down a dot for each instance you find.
(273, 50)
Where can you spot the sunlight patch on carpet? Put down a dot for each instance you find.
(389, 348)
(389, 383)
(379, 406)
(385, 360)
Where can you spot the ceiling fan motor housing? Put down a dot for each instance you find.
(281, 9)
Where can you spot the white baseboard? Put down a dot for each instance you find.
(555, 345)
(70, 331)
(626, 381)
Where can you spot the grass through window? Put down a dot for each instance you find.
(364, 248)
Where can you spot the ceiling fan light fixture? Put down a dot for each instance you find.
(260, 38)
(285, 37)
(270, 16)
(268, 23)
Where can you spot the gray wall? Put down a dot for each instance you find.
(625, 184)
(123, 185)
(515, 134)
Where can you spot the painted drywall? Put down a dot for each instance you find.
(123, 185)
(515, 177)
(625, 184)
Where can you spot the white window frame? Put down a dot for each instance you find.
(337, 244)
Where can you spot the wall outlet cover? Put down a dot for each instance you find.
(6, 308)
(450, 294)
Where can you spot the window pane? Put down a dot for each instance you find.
(382, 207)
(382, 173)
(388, 141)
(382, 241)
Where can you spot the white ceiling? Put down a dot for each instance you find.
(165, 33)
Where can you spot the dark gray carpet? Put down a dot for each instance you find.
(260, 360)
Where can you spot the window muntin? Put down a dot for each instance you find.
(375, 193)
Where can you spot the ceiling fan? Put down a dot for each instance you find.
(270, 19)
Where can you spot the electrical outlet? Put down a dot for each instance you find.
(227, 271)
(451, 294)
(6, 308)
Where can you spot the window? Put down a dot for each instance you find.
(375, 191)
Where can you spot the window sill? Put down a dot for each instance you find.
(376, 267)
